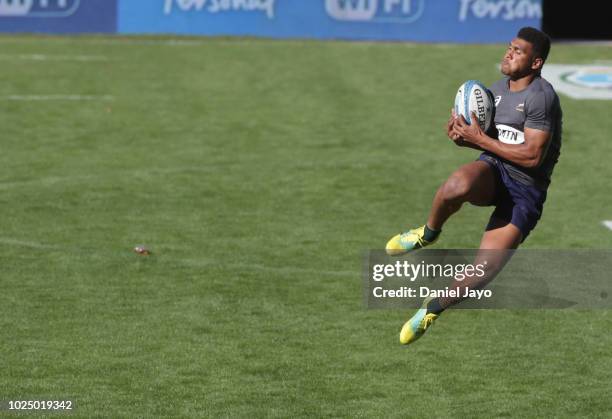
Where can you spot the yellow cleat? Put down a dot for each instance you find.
(416, 327)
(406, 242)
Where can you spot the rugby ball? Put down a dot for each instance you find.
(473, 96)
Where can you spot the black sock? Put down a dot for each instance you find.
(434, 306)
(430, 235)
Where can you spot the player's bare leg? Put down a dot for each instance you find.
(474, 182)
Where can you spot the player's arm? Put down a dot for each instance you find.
(528, 154)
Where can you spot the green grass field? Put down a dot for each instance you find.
(259, 172)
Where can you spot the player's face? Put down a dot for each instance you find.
(518, 60)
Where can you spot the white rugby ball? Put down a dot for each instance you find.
(473, 96)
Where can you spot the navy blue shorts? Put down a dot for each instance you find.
(518, 201)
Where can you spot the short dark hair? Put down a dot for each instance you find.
(537, 38)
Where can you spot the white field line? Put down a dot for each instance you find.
(60, 97)
(47, 57)
(607, 223)
(44, 181)
(23, 243)
(76, 180)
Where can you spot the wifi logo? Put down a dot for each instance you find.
(398, 11)
(38, 8)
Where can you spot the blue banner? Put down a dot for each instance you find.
(479, 21)
(58, 16)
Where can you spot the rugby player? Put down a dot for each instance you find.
(512, 173)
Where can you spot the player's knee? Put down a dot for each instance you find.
(456, 188)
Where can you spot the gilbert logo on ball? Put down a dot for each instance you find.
(473, 96)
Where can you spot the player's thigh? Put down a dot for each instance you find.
(475, 182)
